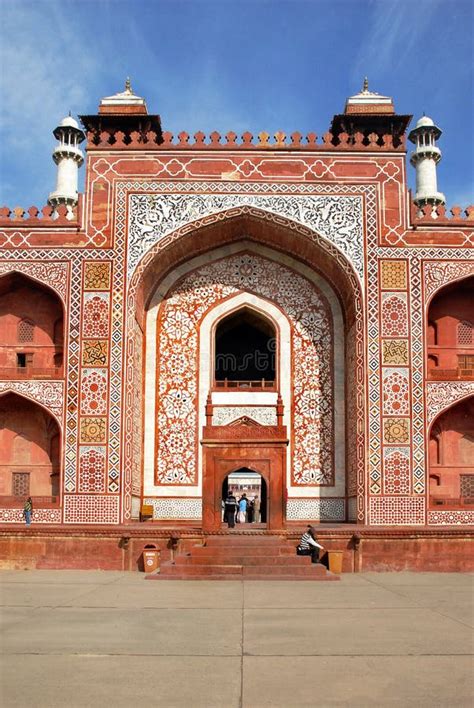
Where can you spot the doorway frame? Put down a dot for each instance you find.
(265, 457)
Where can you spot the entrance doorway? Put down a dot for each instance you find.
(245, 481)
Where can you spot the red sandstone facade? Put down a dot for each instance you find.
(109, 398)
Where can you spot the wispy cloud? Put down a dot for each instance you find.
(394, 29)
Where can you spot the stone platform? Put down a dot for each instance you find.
(365, 548)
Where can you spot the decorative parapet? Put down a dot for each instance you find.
(110, 138)
(47, 216)
(430, 215)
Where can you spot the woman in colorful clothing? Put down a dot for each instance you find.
(28, 511)
(309, 545)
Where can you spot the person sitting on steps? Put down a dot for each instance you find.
(309, 545)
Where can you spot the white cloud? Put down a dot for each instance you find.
(394, 29)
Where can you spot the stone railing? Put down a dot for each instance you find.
(450, 374)
(47, 215)
(150, 140)
(441, 216)
(30, 372)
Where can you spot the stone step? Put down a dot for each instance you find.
(231, 551)
(240, 559)
(256, 576)
(200, 569)
(244, 539)
(219, 572)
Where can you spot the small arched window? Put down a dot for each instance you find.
(465, 333)
(26, 330)
(245, 350)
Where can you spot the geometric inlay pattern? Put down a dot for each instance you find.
(175, 508)
(93, 430)
(94, 392)
(394, 315)
(87, 509)
(97, 276)
(396, 430)
(92, 469)
(387, 511)
(95, 352)
(315, 509)
(395, 352)
(395, 392)
(393, 275)
(95, 322)
(397, 470)
(450, 518)
(40, 516)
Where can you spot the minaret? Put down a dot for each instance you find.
(424, 159)
(68, 157)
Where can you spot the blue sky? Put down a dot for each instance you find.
(231, 65)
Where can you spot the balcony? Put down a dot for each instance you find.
(30, 372)
(14, 502)
(436, 374)
(256, 385)
(452, 503)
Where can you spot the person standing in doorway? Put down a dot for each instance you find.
(28, 511)
(230, 508)
(243, 508)
(256, 510)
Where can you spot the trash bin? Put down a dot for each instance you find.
(335, 561)
(151, 558)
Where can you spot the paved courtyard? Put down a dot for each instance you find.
(87, 638)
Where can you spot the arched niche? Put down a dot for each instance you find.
(450, 330)
(30, 451)
(250, 229)
(245, 351)
(451, 455)
(31, 328)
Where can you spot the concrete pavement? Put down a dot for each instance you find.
(81, 639)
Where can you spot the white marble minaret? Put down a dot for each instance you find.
(424, 158)
(68, 157)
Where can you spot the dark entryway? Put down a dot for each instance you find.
(245, 349)
(253, 485)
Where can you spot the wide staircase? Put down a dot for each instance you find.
(243, 557)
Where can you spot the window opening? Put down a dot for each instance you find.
(245, 351)
(465, 333)
(21, 484)
(25, 331)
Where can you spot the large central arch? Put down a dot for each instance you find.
(167, 262)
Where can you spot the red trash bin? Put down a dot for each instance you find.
(151, 558)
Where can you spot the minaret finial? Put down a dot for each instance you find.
(128, 85)
(366, 84)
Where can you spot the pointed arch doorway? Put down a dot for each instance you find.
(251, 484)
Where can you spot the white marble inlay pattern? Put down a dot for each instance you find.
(225, 415)
(337, 218)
